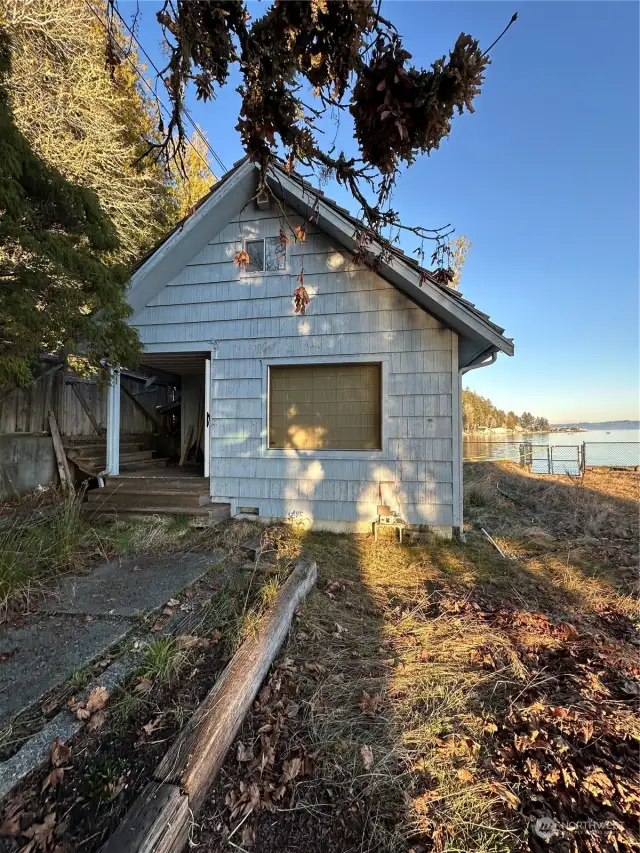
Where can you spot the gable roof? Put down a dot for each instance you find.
(479, 336)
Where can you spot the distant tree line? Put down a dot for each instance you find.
(478, 412)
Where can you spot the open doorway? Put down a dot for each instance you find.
(189, 416)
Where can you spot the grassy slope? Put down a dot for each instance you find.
(444, 698)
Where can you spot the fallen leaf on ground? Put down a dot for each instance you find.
(191, 641)
(41, 834)
(158, 625)
(97, 721)
(369, 704)
(248, 836)
(155, 724)
(367, 757)
(216, 636)
(291, 769)
(60, 753)
(505, 794)
(315, 668)
(50, 706)
(53, 779)
(115, 788)
(242, 753)
(144, 684)
(465, 775)
(173, 602)
(97, 699)
(340, 630)
(137, 569)
(11, 823)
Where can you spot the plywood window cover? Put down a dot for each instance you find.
(326, 406)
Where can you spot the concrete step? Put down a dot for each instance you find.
(148, 497)
(209, 514)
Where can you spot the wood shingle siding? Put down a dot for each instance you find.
(247, 321)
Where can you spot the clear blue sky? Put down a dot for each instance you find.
(543, 179)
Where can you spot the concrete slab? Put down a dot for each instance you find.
(44, 651)
(130, 586)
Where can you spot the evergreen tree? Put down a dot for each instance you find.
(57, 292)
(92, 124)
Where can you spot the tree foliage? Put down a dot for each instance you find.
(351, 59)
(71, 125)
(94, 126)
(479, 412)
(193, 180)
(56, 290)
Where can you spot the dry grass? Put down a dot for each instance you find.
(433, 658)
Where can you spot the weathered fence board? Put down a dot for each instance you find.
(79, 405)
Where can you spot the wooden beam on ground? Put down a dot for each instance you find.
(160, 819)
(140, 407)
(195, 759)
(86, 408)
(157, 822)
(61, 457)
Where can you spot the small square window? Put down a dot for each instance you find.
(255, 250)
(266, 254)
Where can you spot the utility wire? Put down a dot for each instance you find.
(157, 99)
(184, 109)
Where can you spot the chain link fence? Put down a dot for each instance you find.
(574, 459)
(611, 454)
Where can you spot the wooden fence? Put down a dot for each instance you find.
(80, 405)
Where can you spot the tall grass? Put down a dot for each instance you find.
(36, 552)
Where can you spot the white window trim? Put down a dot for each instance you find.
(289, 452)
(250, 273)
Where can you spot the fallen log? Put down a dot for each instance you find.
(199, 751)
(159, 819)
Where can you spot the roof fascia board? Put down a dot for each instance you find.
(406, 279)
(173, 255)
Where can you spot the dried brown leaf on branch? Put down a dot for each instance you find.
(241, 259)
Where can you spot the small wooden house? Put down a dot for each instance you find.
(321, 416)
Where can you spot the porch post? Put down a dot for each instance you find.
(113, 423)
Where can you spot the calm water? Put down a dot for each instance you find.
(614, 447)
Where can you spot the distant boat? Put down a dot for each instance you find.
(608, 433)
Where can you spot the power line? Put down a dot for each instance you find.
(157, 99)
(184, 109)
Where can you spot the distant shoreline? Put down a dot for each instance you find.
(491, 431)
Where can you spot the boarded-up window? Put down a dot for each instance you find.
(325, 407)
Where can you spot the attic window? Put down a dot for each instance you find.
(265, 255)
